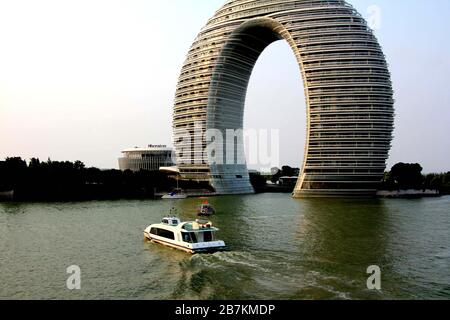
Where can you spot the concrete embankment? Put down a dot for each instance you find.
(408, 193)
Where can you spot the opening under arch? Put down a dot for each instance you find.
(276, 101)
(227, 98)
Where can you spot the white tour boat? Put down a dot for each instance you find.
(193, 237)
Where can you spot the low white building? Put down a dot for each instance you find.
(151, 158)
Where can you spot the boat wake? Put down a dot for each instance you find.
(236, 258)
(443, 255)
(287, 276)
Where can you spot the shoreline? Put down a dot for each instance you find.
(382, 194)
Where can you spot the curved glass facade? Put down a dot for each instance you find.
(349, 97)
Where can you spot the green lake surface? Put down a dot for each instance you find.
(280, 248)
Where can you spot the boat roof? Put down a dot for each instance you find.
(188, 226)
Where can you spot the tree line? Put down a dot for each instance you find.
(72, 181)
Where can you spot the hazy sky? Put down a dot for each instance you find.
(84, 79)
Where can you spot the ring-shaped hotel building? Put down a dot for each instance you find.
(349, 96)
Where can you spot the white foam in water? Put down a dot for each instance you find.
(240, 258)
(443, 254)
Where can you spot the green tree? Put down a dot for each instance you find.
(407, 175)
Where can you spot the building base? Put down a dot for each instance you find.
(342, 193)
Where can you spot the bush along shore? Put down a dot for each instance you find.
(407, 180)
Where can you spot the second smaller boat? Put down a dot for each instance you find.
(206, 210)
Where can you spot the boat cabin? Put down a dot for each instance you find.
(198, 232)
(171, 221)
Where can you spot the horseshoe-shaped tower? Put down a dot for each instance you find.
(349, 96)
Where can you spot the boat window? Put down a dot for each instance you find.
(175, 222)
(154, 231)
(165, 221)
(193, 237)
(186, 237)
(165, 234)
(208, 236)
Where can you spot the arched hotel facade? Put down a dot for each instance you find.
(349, 96)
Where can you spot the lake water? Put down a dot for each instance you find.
(281, 248)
